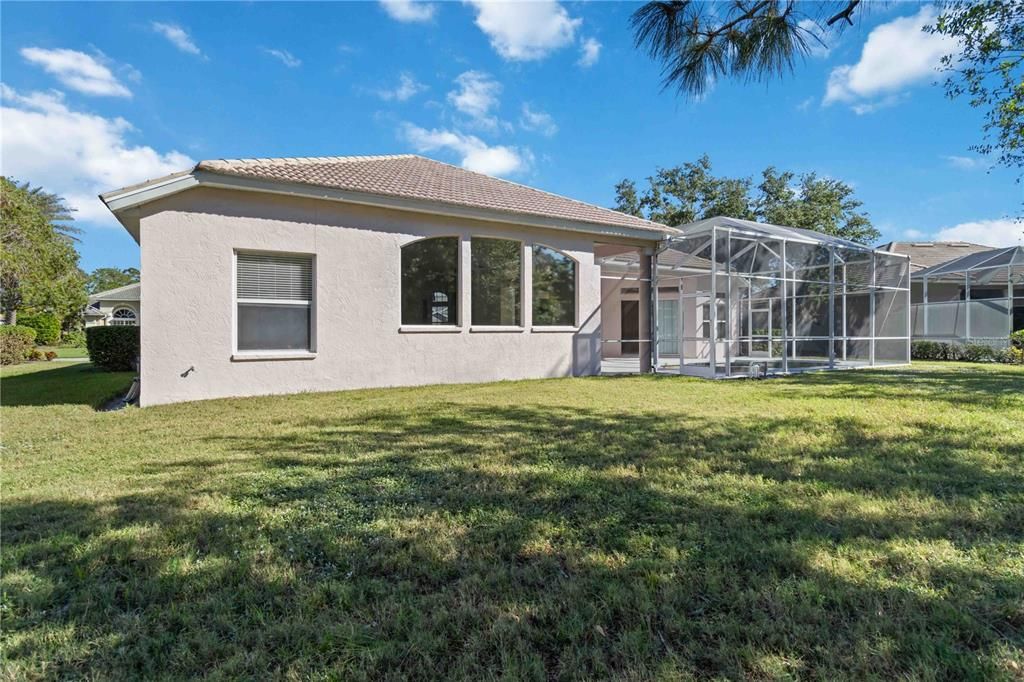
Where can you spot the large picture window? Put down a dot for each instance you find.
(554, 288)
(497, 269)
(430, 281)
(275, 300)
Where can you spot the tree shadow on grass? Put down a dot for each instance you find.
(476, 541)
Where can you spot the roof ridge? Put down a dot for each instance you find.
(271, 160)
(534, 189)
(115, 289)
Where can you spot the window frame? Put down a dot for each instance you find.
(311, 304)
(575, 290)
(115, 321)
(523, 244)
(451, 327)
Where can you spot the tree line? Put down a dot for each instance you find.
(682, 194)
(39, 260)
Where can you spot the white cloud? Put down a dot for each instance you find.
(913, 234)
(805, 104)
(967, 163)
(590, 52)
(286, 57)
(538, 121)
(409, 10)
(999, 232)
(407, 88)
(73, 153)
(895, 55)
(178, 36)
(525, 31)
(78, 71)
(476, 155)
(818, 40)
(862, 108)
(476, 96)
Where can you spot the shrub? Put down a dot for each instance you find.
(971, 352)
(15, 343)
(73, 338)
(1017, 339)
(979, 352)
(1011, 356)
(34, 355)
(47, 326)
(113, 348)
(50, 355)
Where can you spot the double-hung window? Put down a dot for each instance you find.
(274, 294)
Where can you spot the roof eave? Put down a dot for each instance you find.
(122, 201)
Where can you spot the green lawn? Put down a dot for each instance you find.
(67, 352)
(848, 525)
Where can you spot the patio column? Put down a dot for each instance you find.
(967, 305)
(832, 307)
(871, 307)
(713, 335)
(924, 305)
(785, 312)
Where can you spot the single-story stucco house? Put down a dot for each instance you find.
(314, 274)
(264, 276)
(114, 307)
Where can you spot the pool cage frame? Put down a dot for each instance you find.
(786, 300)
(974, 299)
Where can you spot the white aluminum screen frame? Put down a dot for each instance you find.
(838, 279)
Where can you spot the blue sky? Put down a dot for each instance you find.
(98, 96)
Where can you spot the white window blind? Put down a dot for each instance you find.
(277, 277)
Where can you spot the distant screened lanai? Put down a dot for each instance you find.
(739, 298)
(978, 298)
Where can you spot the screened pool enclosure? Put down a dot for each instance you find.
(739, 298)
(978, 298)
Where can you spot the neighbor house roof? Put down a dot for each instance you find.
(129, 292)
(926, 254)
(407, 182)
(978, 260)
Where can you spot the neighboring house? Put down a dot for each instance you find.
(114, 307)
(287, 275)
(926, 254)
(976, 298)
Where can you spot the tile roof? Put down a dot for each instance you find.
(415, 177)
(128, 292)
(926, 254)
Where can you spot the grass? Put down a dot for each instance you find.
(846, 525)
(66, 352)
(53, 383)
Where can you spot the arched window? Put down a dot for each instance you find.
(123, 317)
(554, 288)
(430, 281)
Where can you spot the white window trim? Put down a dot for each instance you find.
(114, 321)
(244, 355)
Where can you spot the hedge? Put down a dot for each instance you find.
(113, 348)
(47, 326)
(16, 342)
(967, 352)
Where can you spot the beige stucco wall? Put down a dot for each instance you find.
(187, 243)
(108, 307)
